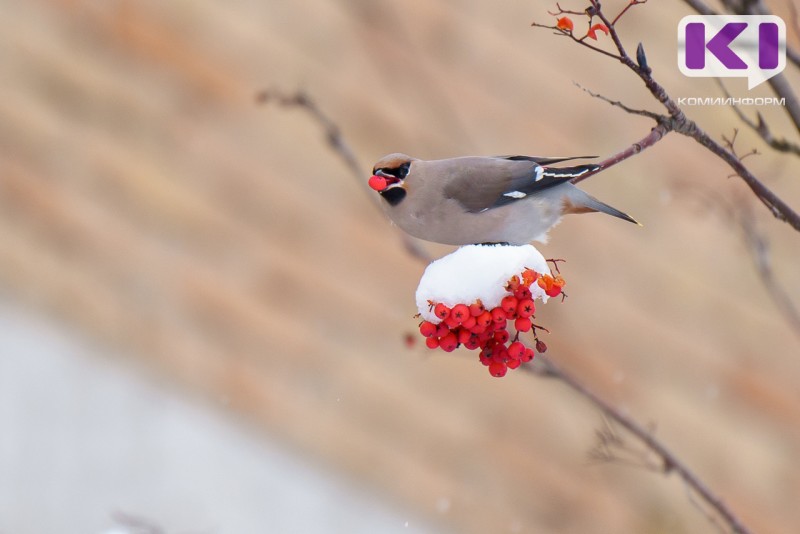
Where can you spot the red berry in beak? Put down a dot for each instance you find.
(378, 183)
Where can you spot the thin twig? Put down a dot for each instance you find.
(670, 463)
(626, 8)
(783, 89)
(761, 127)
(612, 447)
(340, 146)
(580, 41)
(656, 134)
(616, 103)
(759, 250)
(730, 144)
(737, 212)
(333, 133)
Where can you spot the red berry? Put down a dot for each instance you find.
(463, 335)
(526, 356)
(522, 293)
(442, 330)
(526, 308)
(498, 315)
(522, 324)
(378, 183)
(427, 329)
(509, 305)
(460, 312)
(513, 364)
(478, 329)
(500, 354)
(553, 291)
(485, 319)
(451, 322)
(469, 323)
(432, 342)
(476, 308)
(501, 336)
(485, 357)
(472, 343)
(498, 369)
(485, 336)
(441, 311)
(540, 346)
(515, 350)
(449, 342)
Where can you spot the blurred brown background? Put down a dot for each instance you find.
(220, 248)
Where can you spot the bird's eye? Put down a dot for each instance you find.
(402, 170)
(396, 172)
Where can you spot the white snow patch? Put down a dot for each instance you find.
(477, 272)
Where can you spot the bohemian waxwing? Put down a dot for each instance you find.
(471, 200)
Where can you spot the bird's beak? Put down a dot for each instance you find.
(381, 181)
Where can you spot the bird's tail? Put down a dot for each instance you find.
(579, 201)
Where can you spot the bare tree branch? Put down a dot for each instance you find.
(680, 123)
(759, 250)
(332, 131)
(670, 463)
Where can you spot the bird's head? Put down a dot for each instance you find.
(389, 175)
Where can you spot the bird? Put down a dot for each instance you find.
(471, 200)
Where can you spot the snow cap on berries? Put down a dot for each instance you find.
(470, 298)
(477, 272)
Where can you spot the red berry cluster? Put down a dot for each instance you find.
(476, 327)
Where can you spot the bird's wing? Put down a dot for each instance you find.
(481, 184)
